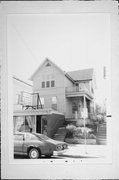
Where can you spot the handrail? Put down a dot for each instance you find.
(76, 89)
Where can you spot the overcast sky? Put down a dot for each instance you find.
(73, 42)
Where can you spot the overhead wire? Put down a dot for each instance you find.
(24, 42)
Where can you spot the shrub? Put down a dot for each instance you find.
(71, 129)
(79, 132)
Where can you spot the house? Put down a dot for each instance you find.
(21, 87)
(71, 93)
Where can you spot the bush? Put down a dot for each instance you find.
(79, 132)
(71, 129)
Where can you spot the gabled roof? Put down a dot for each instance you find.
(80, 75)
(48, 62)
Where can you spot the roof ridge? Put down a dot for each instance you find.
(80, 70)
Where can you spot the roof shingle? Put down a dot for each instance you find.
(80, 75)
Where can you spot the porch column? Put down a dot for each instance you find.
(84, 102)
(84, 118)
(91, 107)
(84, 106)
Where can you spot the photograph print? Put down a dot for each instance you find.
(61, 85)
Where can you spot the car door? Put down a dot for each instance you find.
(18, 143)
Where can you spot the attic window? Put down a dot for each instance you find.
(48, 64)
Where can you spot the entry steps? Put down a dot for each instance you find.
(102, 133)
(60, 134)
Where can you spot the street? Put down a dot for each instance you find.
(76, 151)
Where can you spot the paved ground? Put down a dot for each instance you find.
(78, 151)
(85, 151)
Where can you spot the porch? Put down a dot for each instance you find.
(78, 91)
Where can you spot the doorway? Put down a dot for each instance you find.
(77, 87)
(38, 124)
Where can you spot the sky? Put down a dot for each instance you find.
(72, 41)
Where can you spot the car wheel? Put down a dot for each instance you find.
(34, 153)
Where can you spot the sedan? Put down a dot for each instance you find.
(35, 145)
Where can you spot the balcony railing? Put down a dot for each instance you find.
(78, 89)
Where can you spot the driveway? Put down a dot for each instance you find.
(85, 151)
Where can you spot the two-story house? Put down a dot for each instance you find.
(66, 92)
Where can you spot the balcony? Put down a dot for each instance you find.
(77, 91)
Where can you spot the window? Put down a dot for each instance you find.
(54, 103)
(52, 83)
(74, 107)
(43, 84)
(41, 103)
(48, 64)
(47, 83)
(18, 123)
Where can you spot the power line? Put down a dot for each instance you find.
(24, 42)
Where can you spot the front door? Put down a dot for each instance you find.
(44, 125)
(38, 124)
(77, 87)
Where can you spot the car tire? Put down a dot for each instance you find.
(34, 153)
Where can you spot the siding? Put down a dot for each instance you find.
(48, 74)
(68, 104)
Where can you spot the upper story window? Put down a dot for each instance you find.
(48, 64)
(43, 84)
(52, 83)
(47, 83)
(41, 102)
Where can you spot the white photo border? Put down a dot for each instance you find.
(68, 168)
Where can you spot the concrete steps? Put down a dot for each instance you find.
(60, 134)
(102, 134)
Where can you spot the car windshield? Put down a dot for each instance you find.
(42, 136)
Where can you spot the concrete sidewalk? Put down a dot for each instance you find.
(85, 151)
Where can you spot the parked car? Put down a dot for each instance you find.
(35, 145)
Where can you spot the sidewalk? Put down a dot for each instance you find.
(85, 151)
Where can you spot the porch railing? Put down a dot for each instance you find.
(80, 89)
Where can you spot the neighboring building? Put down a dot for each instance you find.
(45, 121)
(19, 88)
(68, 93)
(32, 119)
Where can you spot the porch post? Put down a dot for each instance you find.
(84, 102)
(84, 117)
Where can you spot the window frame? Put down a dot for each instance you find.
(43, 84)
(54, 105)
(52, 81)
(47, 84)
